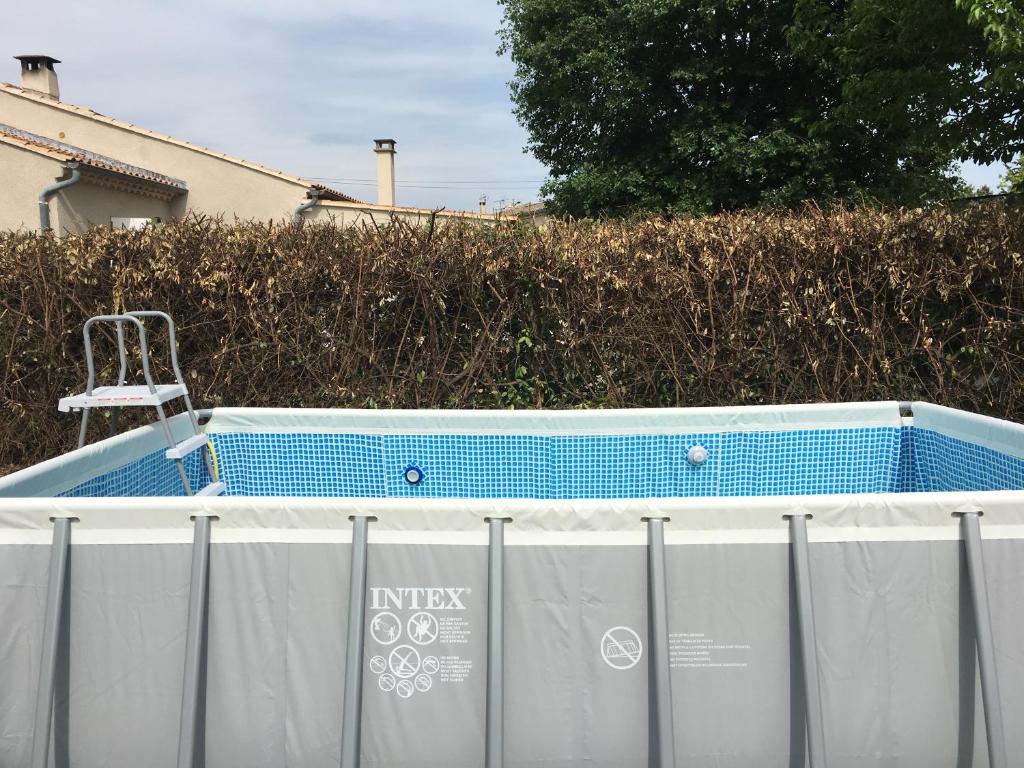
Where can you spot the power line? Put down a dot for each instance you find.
(430, 181)
(425, 186)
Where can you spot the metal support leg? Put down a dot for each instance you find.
(183, 474)
(352, 712)
(662, 734)
(171, 443)
(194, 641)
(51, 630)
(970, 527)
(808, 641)
(84, 427)
(495, 728)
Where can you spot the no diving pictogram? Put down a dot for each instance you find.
(404, 661)
(621, 648)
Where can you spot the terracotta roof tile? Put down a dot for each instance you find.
(67, 153)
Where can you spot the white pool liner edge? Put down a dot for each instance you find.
(555, 422)
(997, 434)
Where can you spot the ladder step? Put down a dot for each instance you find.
(213, 489)
(185, 447)
(122, 396)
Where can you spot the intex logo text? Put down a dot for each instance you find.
(417, 598)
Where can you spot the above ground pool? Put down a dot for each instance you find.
(757, 587)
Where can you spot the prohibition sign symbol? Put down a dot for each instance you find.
(404, 661)
(621, 648)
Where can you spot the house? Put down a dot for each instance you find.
(534, 213)
(90, 188)
(69, 167)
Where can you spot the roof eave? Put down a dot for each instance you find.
(161, 188)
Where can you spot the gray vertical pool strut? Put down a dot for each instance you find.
(494, 741)
(196, 629)
(352, 712)
(662, 734)
(808, 641)
(51, 634)
(970, 526)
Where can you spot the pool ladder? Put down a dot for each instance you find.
(149, 394)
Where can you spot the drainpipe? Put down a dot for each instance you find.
(314, 198)
(50, 191)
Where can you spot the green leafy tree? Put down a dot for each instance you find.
(1013, 181)
(1001, 20)
(695, 106)
(1003, 24)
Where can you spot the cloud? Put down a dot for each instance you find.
(301, 87)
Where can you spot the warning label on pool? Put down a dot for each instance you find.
(412, 631)
(699, 650)
(621, 648)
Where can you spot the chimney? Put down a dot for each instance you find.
(385, 149)
(37, 74)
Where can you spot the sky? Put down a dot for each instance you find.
(306, 87)
(301, 87)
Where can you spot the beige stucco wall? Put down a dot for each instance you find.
(23, 174)
(537, 219)
(354, 214)
(88, 202)
(215, 186)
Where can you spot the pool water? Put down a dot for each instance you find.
(590, 466)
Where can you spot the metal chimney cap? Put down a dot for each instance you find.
(37, 58)
(384, 145)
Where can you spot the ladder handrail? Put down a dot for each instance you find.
(173, 341)
(181, 389)
(172, 337)
(119, 320)
(122, 376)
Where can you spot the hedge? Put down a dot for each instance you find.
(837, 305)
